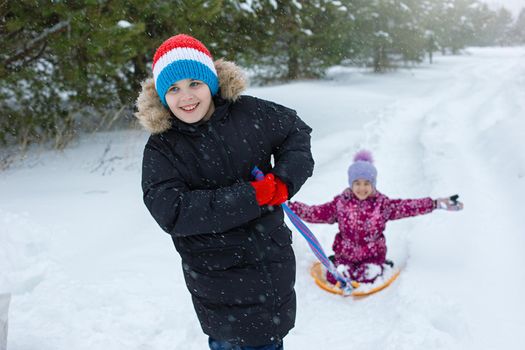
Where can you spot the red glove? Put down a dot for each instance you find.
(281, 193)
(264, 189)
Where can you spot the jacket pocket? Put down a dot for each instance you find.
(279, 248)
(216, 259)
(282, 235)
(219, 276)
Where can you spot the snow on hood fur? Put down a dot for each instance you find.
(156, 118)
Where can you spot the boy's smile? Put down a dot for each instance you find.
(190, 108)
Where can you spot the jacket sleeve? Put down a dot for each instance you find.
(402, 208)
(317, 214)
(182, 212)
(290, 147)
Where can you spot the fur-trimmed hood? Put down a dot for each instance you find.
(156, 118)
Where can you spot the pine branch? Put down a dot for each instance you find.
(33, 43)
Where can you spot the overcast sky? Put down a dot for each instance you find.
(514, 5)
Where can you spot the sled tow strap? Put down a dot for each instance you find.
(315, 246)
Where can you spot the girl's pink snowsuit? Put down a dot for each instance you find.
(360, 240)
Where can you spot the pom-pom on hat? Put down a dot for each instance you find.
(362, 168)
(183, 57)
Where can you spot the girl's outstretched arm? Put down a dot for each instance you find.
(323, 214)
(402, 208)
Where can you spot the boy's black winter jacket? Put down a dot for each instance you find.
(237, 258)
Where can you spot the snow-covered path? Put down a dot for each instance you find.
(89, 269)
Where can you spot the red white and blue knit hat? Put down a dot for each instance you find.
(183, 57)
(362, 168)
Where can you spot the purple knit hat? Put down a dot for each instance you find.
(362, 168)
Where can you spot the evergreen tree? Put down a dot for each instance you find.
(373, 33)
(519, 28)
(73, 64)
(482, 19)
(458, 28)
(408, 35)
(60, 60)
(502, 27)
(69, 65)
(389, 31)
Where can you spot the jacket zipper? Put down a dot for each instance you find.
(260, 263)
(229, 160)
(270, 290)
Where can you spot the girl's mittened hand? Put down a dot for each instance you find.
(264, 189)
(281, 193)
(447, 204)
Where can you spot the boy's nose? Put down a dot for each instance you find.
(187, 96)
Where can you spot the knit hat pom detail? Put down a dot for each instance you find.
(364, 156)
(362, 168)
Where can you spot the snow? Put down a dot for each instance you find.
(124, 24)
(88, 268)
(382, 276)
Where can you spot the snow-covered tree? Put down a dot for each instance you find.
(519, 28)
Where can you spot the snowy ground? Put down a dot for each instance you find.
(89, 268)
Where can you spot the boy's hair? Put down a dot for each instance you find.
(362, 168)
(183, 57)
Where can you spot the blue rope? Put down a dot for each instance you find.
(314, 244)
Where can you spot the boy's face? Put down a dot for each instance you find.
(362, 188)
(190, 100)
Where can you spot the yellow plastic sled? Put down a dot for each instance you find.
(360, 289)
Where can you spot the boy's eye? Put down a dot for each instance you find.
(173, 89)
(195, 83)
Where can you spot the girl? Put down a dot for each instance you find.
(236, 252)
(362, 213)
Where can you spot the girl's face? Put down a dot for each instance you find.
(362, 188)
(190, 100)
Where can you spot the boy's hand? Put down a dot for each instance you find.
(450, 203)
(264, 189)
(281, 193)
